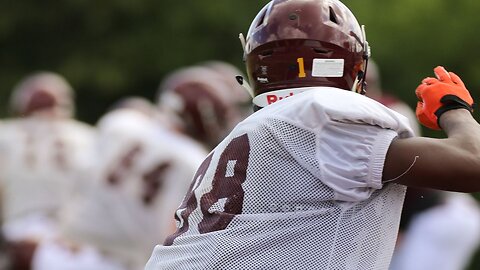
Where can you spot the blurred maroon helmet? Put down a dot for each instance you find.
(42, 92)
(204, 101)
(229, 74)
(239, 95)
(304, 43)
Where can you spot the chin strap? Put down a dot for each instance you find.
(360, 84)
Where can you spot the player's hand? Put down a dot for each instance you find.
(439, 95)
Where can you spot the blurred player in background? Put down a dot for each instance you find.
(442, 237)
(438, 229)
(205, 99)
(315, 178)
(141, 174)
(375, 91)
(44, 154)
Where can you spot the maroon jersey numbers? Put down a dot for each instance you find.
(152, 179)
(224, 200)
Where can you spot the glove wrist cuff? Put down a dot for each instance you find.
(452, 102)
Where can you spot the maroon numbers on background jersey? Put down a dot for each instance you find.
(124, 164)
(151, 179)
(225, 199)
(29, 155)
(57, 150)
(60, 156)
(153, 182)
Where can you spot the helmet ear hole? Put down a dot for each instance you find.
(262, 19)
(321, 51)
(333, 16)
(266, 53)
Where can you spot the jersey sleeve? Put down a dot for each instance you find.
(351, 158)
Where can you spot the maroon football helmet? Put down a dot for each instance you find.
(303, 43)
(43, 92)
(203, 100)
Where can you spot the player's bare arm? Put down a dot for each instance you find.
(448, 164)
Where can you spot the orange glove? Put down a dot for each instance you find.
(440, 95)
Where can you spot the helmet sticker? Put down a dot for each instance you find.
(262, 80)
(301, 68)
(264, 70)
(328, 68)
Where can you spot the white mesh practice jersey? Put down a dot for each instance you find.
(297, 185)
(142, 172)
(41, 162)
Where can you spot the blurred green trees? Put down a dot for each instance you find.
(410, 37)
(109, 49)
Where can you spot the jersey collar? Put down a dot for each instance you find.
(271, 97)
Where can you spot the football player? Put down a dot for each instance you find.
(315, 178)
(44, 153)
(375, 91)
(142, 172)
(118, 216)
(442, 237)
